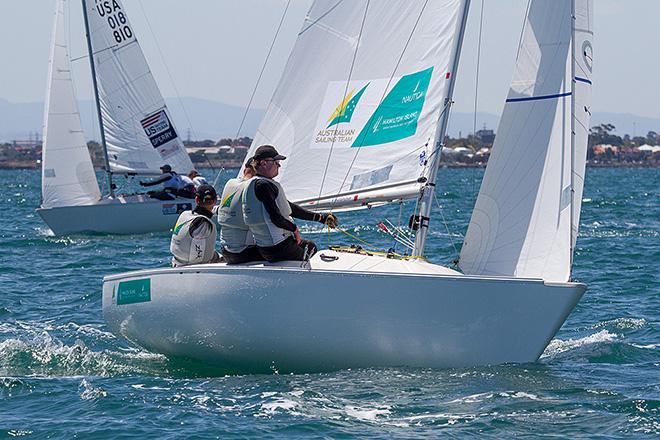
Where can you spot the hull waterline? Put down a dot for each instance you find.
(294, 319)
(122, 215)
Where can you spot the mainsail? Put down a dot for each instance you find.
(67, 175)
(140, 134)
(357, 107)
(522, 224)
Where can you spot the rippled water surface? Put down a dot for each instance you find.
(63, 375)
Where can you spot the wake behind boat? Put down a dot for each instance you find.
(368, 129)
(137, 132)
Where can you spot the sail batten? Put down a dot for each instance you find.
(367, 118)
(526, 215)
(67, 175)
(139, 131)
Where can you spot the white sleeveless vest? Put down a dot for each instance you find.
(235, 235)
(257, 218)
(188, 250)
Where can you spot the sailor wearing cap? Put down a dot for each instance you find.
(269, 215)
(193, 236)
(238, 245)
(197, 179)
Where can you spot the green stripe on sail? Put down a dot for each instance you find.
(396, 117)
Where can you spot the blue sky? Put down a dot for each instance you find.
(214, 49)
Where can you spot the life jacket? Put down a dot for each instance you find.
(187, 183)
(174, 183)
(265, 232)
(188, 250)
(235, 235)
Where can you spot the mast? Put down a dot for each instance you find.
(572, 147)
(108, 173)
(426, 196)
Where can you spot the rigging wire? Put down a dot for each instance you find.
(444, 220)
(169, 74)
(348, 81)
(476, 96)
(263, 68)
(522, 30)
(321, 17)
(376, 250)
(405, 47)
(398, 220)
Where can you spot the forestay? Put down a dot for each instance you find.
(521, 224)
(358, 104)
(67, 173)
(140, 133)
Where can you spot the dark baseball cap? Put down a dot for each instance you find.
(166, 168)
(267, 152)
(206, 193)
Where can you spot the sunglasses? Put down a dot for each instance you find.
(276, 161)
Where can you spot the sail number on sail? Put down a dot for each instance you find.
(116, 19)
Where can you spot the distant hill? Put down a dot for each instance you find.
(209, 119)
(215, 120)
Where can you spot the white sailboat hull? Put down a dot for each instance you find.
(134, 214)
(304, 320)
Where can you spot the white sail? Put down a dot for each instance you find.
(583, 34)
(67, 174)
(359, 101)
(140, 133)
(521, 224)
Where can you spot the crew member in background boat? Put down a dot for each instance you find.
(173, 185)
(193, 236)
(238, 245)
(188, 184)
(197, 179)
(268, 213)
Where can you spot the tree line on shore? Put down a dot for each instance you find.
(605, 148)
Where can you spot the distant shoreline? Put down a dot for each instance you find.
(25, 165)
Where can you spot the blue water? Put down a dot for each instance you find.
(63, 375)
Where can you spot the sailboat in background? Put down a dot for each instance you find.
(366, 129)
(137, 132)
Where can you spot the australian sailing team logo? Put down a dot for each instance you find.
(345, 110)
(331, 134)
(371, 114)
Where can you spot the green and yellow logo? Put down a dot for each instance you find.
(227, 200)
(345, 109)
(177, 227)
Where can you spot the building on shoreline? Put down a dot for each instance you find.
(605, 149)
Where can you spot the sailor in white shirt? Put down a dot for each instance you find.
(197, 179)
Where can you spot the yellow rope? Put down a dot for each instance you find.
(378, 251)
